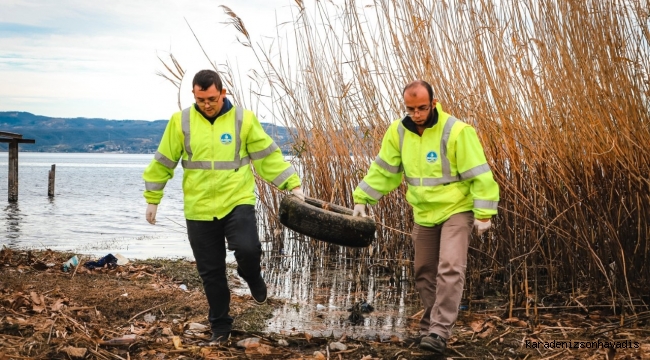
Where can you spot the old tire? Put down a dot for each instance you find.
(326, 222)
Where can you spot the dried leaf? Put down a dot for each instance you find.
(477, 325)
(35, 298)
(124, 340)
(196, 327)
(260, 349)
(308, 337)
(486, 333)
(58, 305)
(177, 342)
(264, 349)
(249, 343)
(75, 353)
(521, 323)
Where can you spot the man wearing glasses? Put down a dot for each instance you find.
(215, 143)
(452, 191)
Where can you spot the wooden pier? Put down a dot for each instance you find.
(13, 140)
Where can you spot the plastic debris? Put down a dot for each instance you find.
(72, 262)
(149, 318)
(357, 311)
(109, 260)
(121, 259)
(366, 308)
(362, 306)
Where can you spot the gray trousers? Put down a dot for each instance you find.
(440, 264)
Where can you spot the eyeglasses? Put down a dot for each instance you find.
(420, 109)
(203, 103)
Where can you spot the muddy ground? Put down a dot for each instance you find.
(141, 311)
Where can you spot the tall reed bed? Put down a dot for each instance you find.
(558, 91)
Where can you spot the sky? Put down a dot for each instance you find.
(74, 58)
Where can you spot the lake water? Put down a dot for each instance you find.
(98, 209)
(97, 206)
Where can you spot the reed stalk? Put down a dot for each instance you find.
(557, 90)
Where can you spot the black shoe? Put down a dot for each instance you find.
(258, 291)
(218, 338)
(435, 343)
(414, 340)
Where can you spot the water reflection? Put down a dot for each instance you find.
(319, 290)
(13, 219)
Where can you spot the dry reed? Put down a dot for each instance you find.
(558, 91)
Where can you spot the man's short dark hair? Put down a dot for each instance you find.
(417, 83)
(206, 78)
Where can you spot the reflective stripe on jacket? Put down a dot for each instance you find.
(215, 159)
(445, 169)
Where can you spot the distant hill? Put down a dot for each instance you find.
(98, 135)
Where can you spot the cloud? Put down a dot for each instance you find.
(8, 29)
(73, 58)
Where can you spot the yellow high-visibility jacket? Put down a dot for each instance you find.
(216, 162)
(445, 169)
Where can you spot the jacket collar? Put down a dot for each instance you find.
(227, 105)
(431, 121)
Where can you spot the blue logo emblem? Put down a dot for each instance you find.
(226, 139)
(432, 156)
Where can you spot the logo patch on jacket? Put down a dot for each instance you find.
(432, 157)
(226, 138)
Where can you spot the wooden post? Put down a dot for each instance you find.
(13, 140)
(50, 182)
(13, 171)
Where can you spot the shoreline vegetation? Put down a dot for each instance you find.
(558, 93)
(140, 311)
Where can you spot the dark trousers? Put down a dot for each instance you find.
(207, 239)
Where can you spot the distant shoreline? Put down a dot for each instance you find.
(80, 135)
